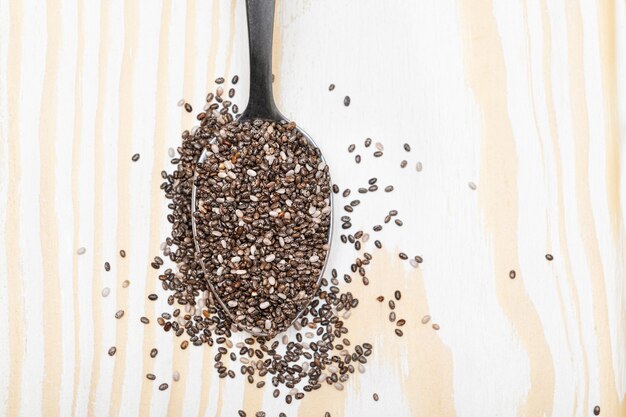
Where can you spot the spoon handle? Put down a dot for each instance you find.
(260, 27)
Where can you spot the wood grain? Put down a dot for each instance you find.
(524, 99)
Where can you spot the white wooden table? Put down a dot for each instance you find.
(526, 99)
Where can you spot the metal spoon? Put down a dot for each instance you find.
(261, 105)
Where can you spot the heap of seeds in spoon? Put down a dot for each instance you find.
(263, 219)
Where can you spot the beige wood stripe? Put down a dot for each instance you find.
(611, 403)
(159, 156)
(231, 39)
(486, 76)
(124, 195)
(76, 166)
(98, 214)
(608, 50)
(11, 228)
(47, 216)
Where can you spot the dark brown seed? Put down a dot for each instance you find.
(399, 332)
(549, 257)
(123, 253)
(153, 297)
(219, 80)
(107, 266)
(418, 259)
(362, 190)
(184, 345)
(372, 181)
(355, 203)
(392, 316)
(153, 352)
(397, 294)
(151, 377)
(596, 410)
(346, 101)
(144, 320)
(351, 148)
(231, 92)
(163, 387)
(331, 87)
(335, 188)
(378, 154)
(378, 244)
(242, 413)
(368, 142)
(375, 397)
(407, 147)
(389, 188)
(346, 192)
(119, 314)
(135, 157)
(357, 159)
(399, 222)
(403, 256)
(512, 274)
(188, 107)
(380, 298)
(235, 79)
(373, 188)
(377, 228)
(392, 304)
(403, 164)
(401, 322)
(112, 350)
(436, 326)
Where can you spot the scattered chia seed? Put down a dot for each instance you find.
(112, 350)
(549, 257)
(471, 185)
(346, 101)
(135, 157)
(596, 410)
(331, 87)
(407, 147)
(107, 266)
(512, 274)
(81, 251)
(188, 108)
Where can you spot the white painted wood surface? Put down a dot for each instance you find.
(527, 99)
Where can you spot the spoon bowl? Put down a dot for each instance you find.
(261, 106)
